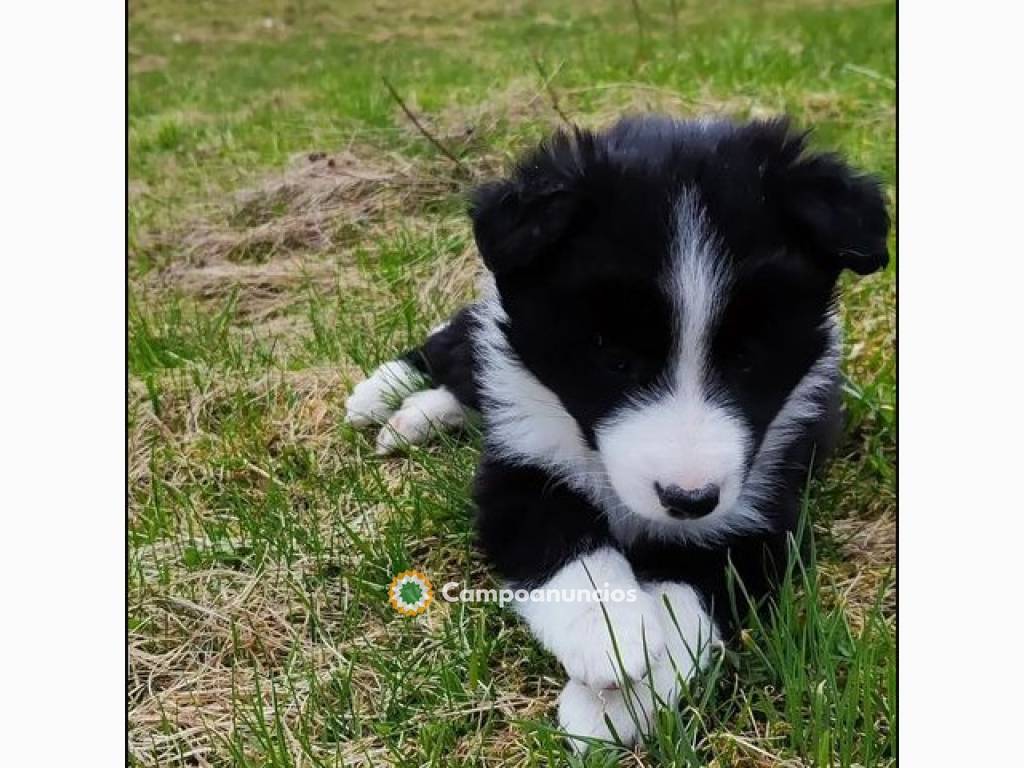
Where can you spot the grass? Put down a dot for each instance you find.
(289, 229)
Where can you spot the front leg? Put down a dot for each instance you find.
(628, 712)
(391, 396)
(696, 601)
(600, 643)
(543, 537)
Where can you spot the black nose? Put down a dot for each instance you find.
(687, 504)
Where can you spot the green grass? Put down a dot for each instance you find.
(264, 532)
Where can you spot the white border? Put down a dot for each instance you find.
(62, 326)
(62, 313)
(960, 301)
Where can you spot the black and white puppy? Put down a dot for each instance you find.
(656, 361)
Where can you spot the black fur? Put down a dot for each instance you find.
(446, 358)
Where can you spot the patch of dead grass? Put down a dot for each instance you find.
(227, 640)
(265, 290)
(455, 282)
(301, 407)
(294, 229)
(309, 206)
(465, 129)
(522, 100)
(145, 62)
(865, 576)
(527, 101)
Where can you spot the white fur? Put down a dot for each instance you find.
(677, 440)
(579, 633)
(422, 415)
(582, 711)
(378, 396)
(526, 421)
(690, 635)
(682, 437)
(698, 282)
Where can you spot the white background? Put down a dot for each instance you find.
(62, 383)
(62, 328)
(961, 538)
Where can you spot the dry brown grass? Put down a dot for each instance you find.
(301, 407)
(260, 21)
(298, 229)
(265, 290)
(867, 574)
(312, 205)
(228, 636)
(543, 102)
(212, 636)
(520, 101)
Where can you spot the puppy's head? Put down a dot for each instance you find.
(672, 283)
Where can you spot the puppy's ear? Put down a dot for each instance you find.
(519, 220)
(829, 210)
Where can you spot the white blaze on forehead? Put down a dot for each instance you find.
(698, 281)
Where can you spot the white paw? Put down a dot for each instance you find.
(598, 643)
(422, 415)
(375, 398)
(590, 655)
(690, 634)
(582, 714)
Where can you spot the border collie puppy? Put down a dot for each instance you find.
(656, 361)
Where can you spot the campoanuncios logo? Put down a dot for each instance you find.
(410, 593)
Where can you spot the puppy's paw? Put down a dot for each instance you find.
(601, 650)
(422, 415)
(584, 715)
(690, 634)
(598, 643)
(374, 399)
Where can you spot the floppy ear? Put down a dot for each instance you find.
(831, 211)
(519, 220)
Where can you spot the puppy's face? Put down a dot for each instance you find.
(672, 284)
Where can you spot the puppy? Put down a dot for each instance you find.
(655, 358)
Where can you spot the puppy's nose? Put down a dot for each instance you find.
(687, 504)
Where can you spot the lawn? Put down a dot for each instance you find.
(289, 228)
